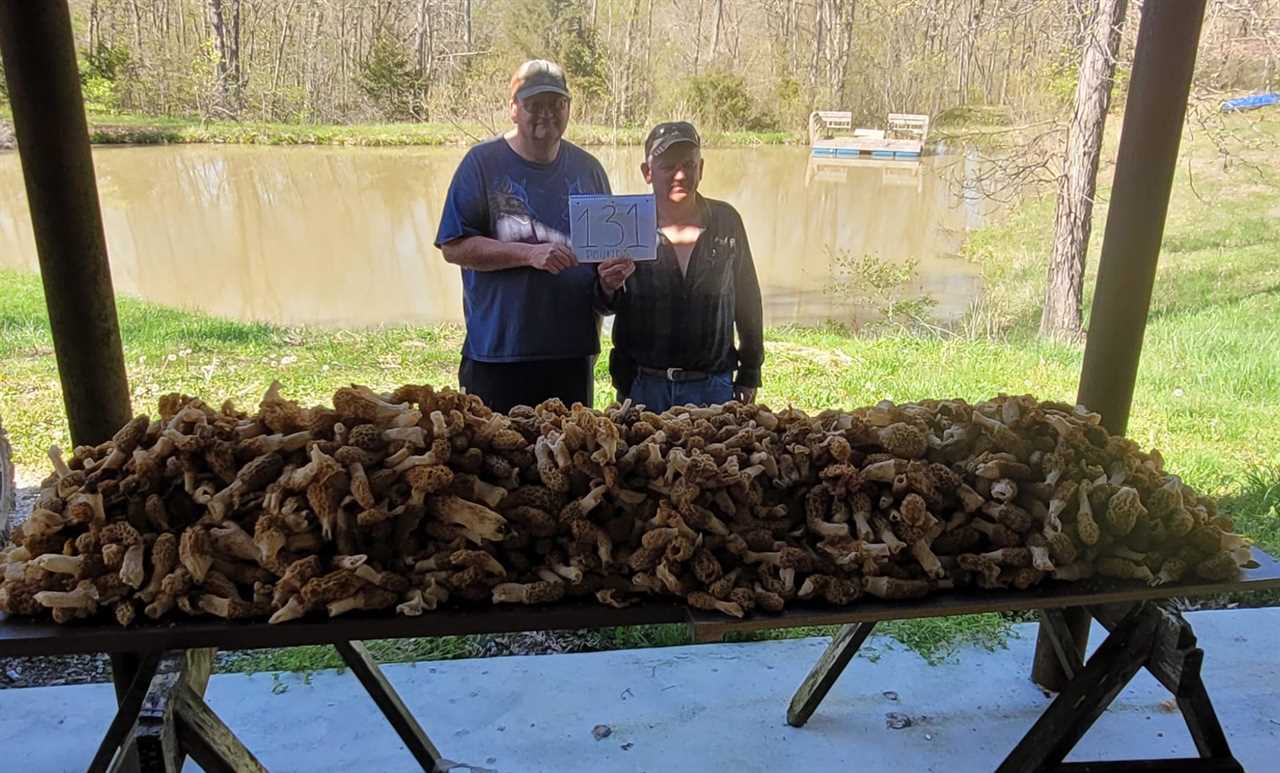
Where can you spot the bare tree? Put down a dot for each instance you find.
(224, 16)
(1064, 295)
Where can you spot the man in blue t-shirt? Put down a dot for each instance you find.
(530, 308)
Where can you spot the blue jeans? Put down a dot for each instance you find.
(658, 394)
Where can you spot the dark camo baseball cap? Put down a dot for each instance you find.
(664, 135)
(538, 76)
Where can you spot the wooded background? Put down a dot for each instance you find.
(729, 64)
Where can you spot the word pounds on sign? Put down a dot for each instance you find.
(603, 227)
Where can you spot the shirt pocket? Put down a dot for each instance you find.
(719, 259)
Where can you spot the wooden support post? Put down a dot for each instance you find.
(53, 143)
(1053, 623)
(1084, 698)
(39, 53)
(1156, 106)
(155, 739)
(826, 671)
(1051, 676)
(383, 694)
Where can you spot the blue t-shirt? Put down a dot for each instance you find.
(522, 313)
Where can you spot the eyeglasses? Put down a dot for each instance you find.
(687, 163)
(544, 106)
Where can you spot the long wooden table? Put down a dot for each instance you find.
(162, 715)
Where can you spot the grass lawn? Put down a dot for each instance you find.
(1208, 389)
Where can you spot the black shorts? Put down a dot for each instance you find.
(504, 385)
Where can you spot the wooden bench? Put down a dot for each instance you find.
(836, 119)
(912, 126)
(162, 715)
(822, 122)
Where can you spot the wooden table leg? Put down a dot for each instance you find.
(1197, 710)
(1084, 698)
(127, 713)
(210, 743)
(124, 666)
(826, 671)
(383, 694)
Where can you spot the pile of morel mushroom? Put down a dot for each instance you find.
(422, 498)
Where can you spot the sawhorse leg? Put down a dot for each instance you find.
(826, 671)
(140, 669)
(203, 735)
(163, 718)
(1143, 636)
(383, 694)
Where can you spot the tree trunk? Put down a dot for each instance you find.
(627, 66)
(467, 14)
(425, 60)
(1063, 301)
(697, 40)
(233, 54)
(93, 26)
(845, 49)
(280, 49)
(226, 30)
(715, 38)
(818, 30)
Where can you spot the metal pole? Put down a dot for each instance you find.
(1157, 106)
(39, 54)
(53, 144)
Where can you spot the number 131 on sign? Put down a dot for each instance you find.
(602, 227)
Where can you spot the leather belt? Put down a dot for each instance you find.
(674, 374)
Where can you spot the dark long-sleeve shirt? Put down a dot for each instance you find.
(669, 320)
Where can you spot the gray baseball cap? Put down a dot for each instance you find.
(664, 135)
(538, 76)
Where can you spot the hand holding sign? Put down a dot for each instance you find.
(603, 227)
(614, 272)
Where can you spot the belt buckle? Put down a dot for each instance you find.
(671, 373)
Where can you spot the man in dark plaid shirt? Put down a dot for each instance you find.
(673, 335)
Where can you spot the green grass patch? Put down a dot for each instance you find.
(937, 638)
(934, 639)
(315, 657)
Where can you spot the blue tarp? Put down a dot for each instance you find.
(1251, 102)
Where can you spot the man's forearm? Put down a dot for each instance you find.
(480, 253)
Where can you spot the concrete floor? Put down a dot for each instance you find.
(696, 709)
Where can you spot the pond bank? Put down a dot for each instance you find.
(128, 129)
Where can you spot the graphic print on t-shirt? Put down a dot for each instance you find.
(512, 219)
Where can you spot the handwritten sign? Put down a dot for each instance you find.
(603, 227)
